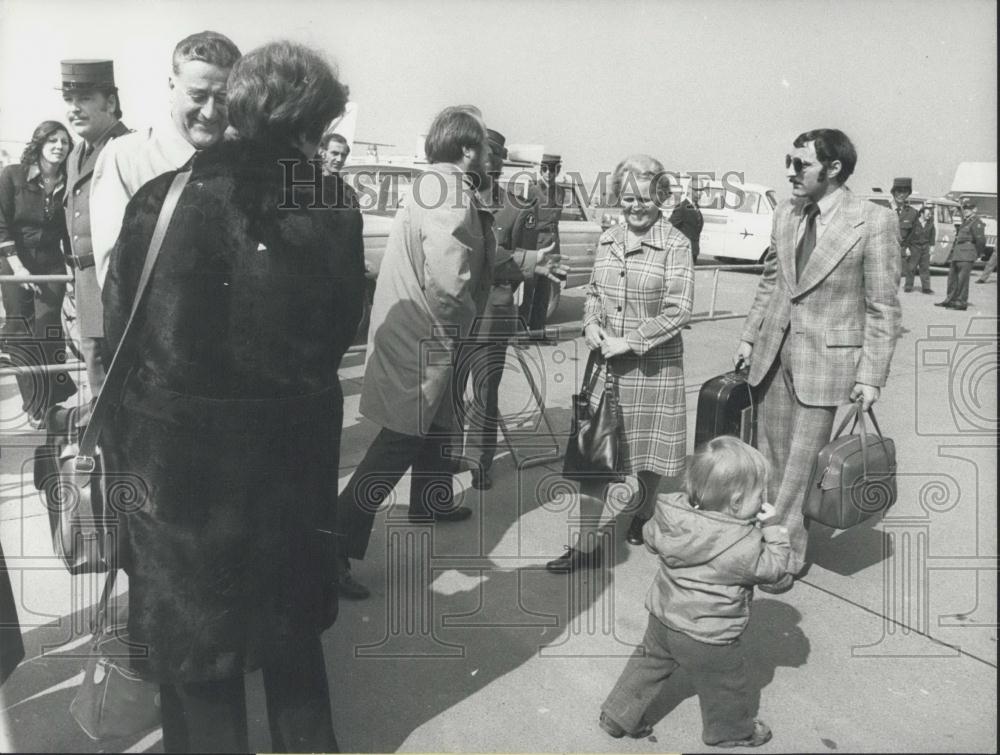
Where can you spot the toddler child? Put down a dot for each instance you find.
(714, 544)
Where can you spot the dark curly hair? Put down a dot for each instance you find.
(41, 134)
(282, 91)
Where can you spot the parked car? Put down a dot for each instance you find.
(947, 215)
(382, 186)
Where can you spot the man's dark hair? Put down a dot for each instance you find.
(208, 47)
(831, 144)
(453, 129)
(283, 91)
(333, 136)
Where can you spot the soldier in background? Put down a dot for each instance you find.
(687, 218)
(969, 246)
(485, 356)
(922, 239)
(901, 190)
(550, 197)
(93, 111)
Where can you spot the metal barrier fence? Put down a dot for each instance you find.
(555, 332)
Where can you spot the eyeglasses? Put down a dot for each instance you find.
(549, 168)
(797, 163)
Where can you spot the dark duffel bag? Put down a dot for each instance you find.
(725, 407)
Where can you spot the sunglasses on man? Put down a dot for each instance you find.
(797, 163)
(549, 168)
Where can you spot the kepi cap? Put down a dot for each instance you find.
(83, 75)
(551, 159)
(968, 204)
(497, 142)
(902, 184)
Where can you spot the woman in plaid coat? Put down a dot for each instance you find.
(638, 301)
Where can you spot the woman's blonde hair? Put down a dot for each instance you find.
(645, 168)
(722, 468)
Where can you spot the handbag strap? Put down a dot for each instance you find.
(586, 389)
(114, 381)
(101, 620)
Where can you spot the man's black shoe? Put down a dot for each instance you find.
(634, 536)
(908, 290)
(927, 290)
(482, 479)
(348, 587)
(959, 307)
(944, 303)
(573, 559)
(458, 514)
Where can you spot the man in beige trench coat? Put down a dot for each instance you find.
(433, 283)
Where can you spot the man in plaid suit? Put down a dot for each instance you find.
(824, 322)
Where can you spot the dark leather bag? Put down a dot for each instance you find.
(83, 529)
(854, 477)
(594, 451)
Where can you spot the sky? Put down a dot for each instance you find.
(720, 85)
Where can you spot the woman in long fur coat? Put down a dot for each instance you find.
(228, 431)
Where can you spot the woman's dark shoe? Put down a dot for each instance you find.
(481, 479)
(761, 735)
(634, 536)
(613, 728)
(573, 559)
(347, 586)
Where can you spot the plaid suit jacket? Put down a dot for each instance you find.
(842, 315)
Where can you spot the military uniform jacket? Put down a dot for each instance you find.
(550, 204)
(841, 313)
(515, 225)
(970, 240)
(79, 171)
(922, 238)
(907, 222)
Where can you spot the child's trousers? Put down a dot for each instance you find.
(719, 673)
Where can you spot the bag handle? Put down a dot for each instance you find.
(857, 414)
(114, 381)
(101, 620)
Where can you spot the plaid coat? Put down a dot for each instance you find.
(842, 314)
(645, 295)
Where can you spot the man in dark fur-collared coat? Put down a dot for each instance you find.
(230, 422)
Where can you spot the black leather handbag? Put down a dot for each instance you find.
(595, 448)
(854, 477)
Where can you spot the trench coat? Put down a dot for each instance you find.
(433, 283)
(79, 172)
(230, 422)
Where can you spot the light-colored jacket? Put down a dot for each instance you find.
(709, 562)
(433, 283)
(842, 314)
(122, 168)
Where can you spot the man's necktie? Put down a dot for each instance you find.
(808, 241)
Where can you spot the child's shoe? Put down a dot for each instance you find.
(613, 728)
(761, 734)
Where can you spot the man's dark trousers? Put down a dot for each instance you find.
(958, 283)
(385, 463)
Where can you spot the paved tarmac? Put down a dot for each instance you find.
(467, 644)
